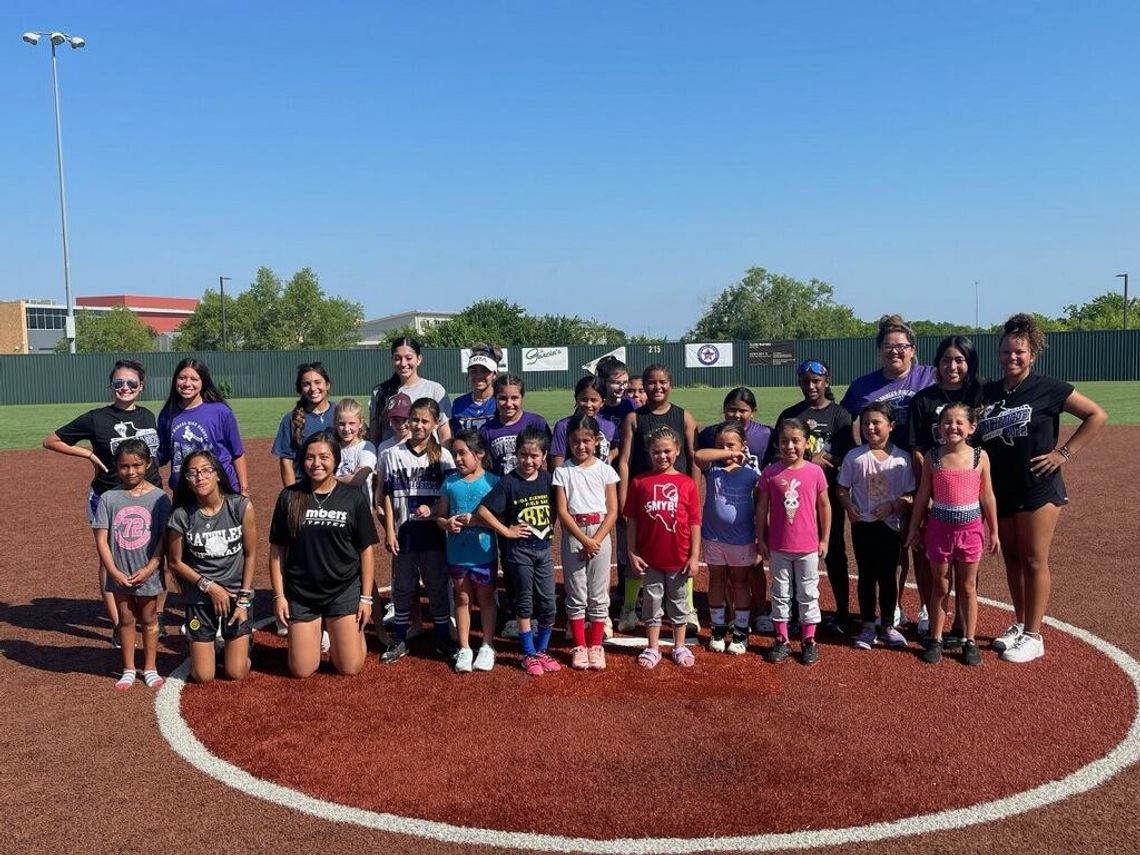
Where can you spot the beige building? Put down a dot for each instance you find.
(374, 331)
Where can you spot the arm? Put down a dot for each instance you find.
(694, 561)
(762, 523)
(242, 471)
(357, 478)
(706, 457)
(568, 524)
(147, 570)
(367, 575)
(823, 511)
(288, 476)
(636, 562)
(922, 500)
(989, 504)
(611, 517)
(277, 580)
(843, 495)
(52, 442)
(691, 447)
(628, 427)
(249, 561)
(391, 542)
(484, 517)
(1093, 418)
(555, 461)
(103, 547)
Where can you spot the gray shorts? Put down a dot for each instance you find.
(665, 594)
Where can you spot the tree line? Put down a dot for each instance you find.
(274, 315)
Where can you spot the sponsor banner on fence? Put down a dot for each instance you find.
(465, 354)
(714, 354)
(545, 358)
(771, 352)
(592, 365)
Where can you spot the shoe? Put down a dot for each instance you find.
(716, 640)
(894, 638)
(833, 626)
(1009, 637)
(282, 628)
(396, 651)
(739, 643)
(485, 658)
(683, 656)
(1025, 649)
(326, 642)
(116, 640)
(779, 651)
(389, 613)
(532, 666)
(547, 662)
(579, 659)
(971, 655)
(933, 653)
(693, 629)
(464, 660)
(923, 625)
(900, 615)
(511, 628)
(953, 639)
(809, 652)
(608, 628)
(763, 623)
(446, 648)
(596, 657)
(627, 620)
(866, 639)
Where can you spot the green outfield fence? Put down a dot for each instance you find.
(52, 378)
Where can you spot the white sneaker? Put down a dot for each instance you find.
(1025, 649)
(627, 621)
(389, 613)
(485, 659)
(511, 629)
(923, 626)
(326, 642)
(464, 659)
(900, 616)
(608, 629)
(716, 643)
(763, 623)
(1008, 638)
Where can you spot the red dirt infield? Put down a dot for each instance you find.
(753, 747)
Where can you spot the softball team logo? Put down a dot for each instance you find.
(132, 527)
(709, 354)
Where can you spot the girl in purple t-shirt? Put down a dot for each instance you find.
(501, 433)
(794, 521)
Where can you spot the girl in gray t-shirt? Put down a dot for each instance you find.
(211, 545)
(128, 527)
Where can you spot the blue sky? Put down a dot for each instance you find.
(624, 161)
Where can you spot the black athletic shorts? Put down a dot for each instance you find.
(202, 622)
(345, 603)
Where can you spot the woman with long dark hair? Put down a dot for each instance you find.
(407, 355)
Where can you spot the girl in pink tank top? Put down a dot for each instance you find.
(957, 493)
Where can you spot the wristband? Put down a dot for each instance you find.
(1065, 453)
(247, 593)
(367, 600)
(204, 584)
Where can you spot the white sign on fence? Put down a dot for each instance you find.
(592, 365)
(545, 358)
(465, 354)
(714, 354)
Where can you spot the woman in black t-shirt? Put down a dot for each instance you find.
(1019, 430)
(103, 429)
(321, 562)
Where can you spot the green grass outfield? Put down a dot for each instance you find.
(26, 426)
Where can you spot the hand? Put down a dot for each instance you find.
(97, 464)
(363, 614)
(823, 460)
(823, 549)
(691, 566)
(590, 548)
(463, 519)
(518, 530)
(423, 512)
(638, 564)
(239, 615)
(995, 545)
(761, 549)
(1046, 464)
(852, 514)
(120, 577)
(454, 524)
(281, 609)
(911, 538)
(220, 597)
(392, 544)
(140, 576)
(884, 510)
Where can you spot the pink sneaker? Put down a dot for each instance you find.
(546, 662)
(532, 666)
(579, 659)
(597, 658)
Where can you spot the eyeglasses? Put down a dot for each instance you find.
(204, 472)
(814, 367)
(896, 348)
(120, 382)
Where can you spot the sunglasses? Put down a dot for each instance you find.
(814, 367)
(896, 348)
(120, 382)
(310, 366)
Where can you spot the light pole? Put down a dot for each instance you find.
(56, 39)
(222, 280)
(1124, 276)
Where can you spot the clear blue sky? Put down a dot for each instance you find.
(617, 160)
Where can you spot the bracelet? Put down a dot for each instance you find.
(243, 604)
(1064, 452)
(367, 600)
(278, 596)
(246, 592)
(204, 584)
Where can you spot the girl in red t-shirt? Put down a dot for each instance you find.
(663, 510)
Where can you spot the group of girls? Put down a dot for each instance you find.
(910, 458)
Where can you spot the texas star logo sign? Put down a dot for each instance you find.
(709, 354)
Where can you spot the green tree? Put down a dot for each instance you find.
(774, 306)
(118, 330)
(309, 318)
(1105, 312)
(499, 321)
(939, 328)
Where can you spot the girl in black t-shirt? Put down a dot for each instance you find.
(104, 429)
(321, 562)
(1019, 430)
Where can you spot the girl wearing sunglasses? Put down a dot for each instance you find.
(104, 428)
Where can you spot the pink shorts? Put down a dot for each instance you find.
(728, 555)
(947, 543)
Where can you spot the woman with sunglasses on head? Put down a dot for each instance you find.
(104, 428)
(829, 439)
(407, 356)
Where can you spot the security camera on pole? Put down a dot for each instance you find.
(56, 39)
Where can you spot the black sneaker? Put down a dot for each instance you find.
(833, 625)
(953, 639)
(779, 651)
(446, 648)
(970, 653)
(396, 651)
(809, 652)
(933, 653)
